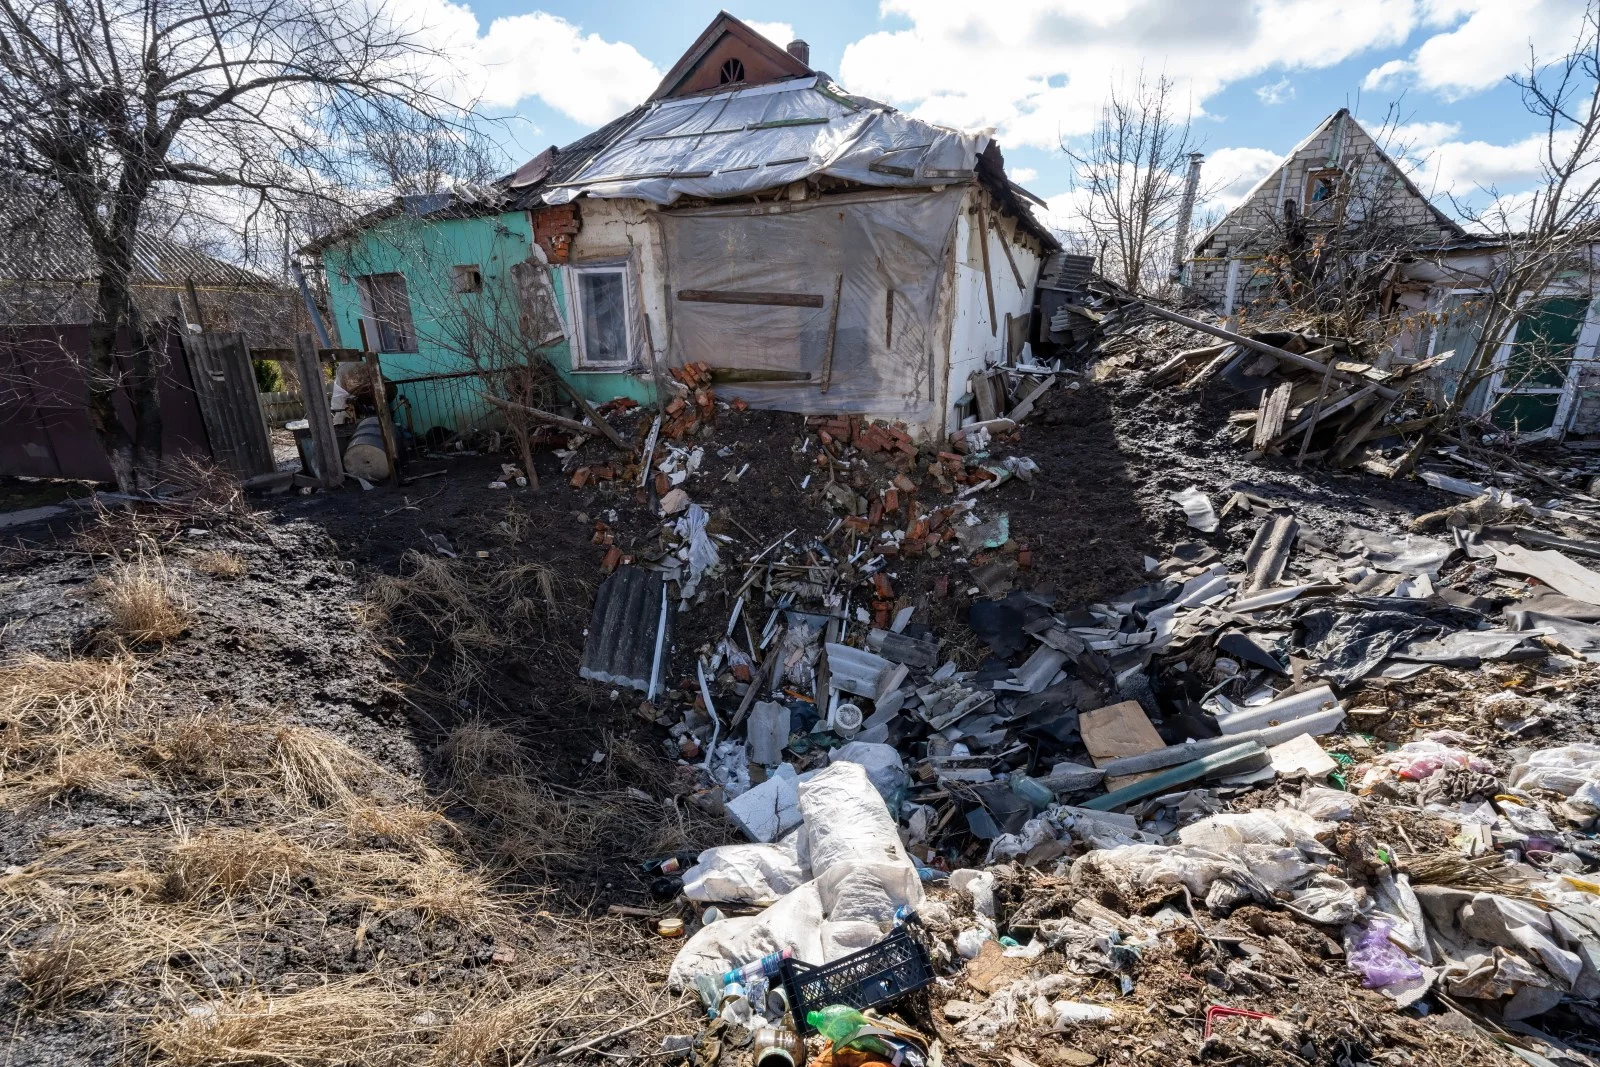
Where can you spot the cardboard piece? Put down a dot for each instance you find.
(1118, 730)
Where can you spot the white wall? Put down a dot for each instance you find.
(975, 339)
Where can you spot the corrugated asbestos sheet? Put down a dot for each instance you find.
(621, 646)
(44, 246)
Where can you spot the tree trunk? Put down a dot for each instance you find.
(136, 459)
(105, 382)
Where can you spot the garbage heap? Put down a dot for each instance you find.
(1199, 745)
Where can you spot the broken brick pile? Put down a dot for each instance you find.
(695, 413)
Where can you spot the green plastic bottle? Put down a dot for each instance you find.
(837, 1022)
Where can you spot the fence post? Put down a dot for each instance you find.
(380, 400)
(330, 466)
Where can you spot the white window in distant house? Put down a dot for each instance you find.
(386, 313)
(602, 327)
(466, 278)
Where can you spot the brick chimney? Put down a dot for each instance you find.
(800, 50)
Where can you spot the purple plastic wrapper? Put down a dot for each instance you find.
(1379, 961)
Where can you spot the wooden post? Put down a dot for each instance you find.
(988, 281)
(380, 400)
(833, 328)
(330, 466)
(194, 298)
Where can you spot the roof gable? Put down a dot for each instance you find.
(1346, 139)
(728, 52)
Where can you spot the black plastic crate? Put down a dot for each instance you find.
(893, 967)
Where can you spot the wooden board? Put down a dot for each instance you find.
(729, 296)
(1269, 421)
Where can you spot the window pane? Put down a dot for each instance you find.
(603, 310)
(390, 305)
(1547, 336)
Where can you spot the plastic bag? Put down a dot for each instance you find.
(702, 549)
(794, 922)
(743, 874)
(884, 768)
(849, 831)
(1379, 962)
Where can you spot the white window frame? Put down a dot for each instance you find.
(1583, 355)
(580, 355)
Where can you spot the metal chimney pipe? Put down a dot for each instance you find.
(1185, 214)
(800, 50)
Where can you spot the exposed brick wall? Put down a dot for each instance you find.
(1247, 232)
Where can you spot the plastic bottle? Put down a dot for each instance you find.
(1034, 792)
(840, 1024)
(766, 966)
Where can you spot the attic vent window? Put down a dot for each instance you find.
(732, 71)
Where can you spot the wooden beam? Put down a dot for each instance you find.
(1269, 420)
(542, 416)
(380, 401)
(833, 329)
(600, 424)
(729, 296)
(988, 282)
(1005, 246)
(1261, 346)
(330, 465)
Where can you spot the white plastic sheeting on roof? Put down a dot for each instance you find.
(742, 142)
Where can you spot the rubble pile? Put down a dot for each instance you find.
(1352, 757)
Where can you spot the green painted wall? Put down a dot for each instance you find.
(449, 324)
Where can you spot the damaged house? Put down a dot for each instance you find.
(1339, 197)
(819, 251)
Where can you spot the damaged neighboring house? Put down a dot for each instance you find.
(1338, 177)
(1545, 379)
(821, 252)
(47, 278)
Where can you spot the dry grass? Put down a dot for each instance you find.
(104, 942)
(63, 716)
(259, 863)
(532, 825)
(78, 698)
(317, 770)
(342, 1023)
(474, 615)
(147, 606)
(219, 564)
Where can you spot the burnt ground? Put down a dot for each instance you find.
(295, 640)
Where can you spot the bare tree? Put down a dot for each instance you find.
(108, 106)
(1131, 175)
(1540, 240)
(1339, 257)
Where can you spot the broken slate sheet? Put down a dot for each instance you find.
(1196, 509)
(1552, 568)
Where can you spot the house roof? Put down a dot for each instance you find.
(1445, 221)
(725, 29)
(46, 246)
(740, 140)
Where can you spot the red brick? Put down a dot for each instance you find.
(675, 405)
(857, 523)
(613, 557)
(739, 404)
(580, 477)
(663, 484)
(904, 483)
(891, 500)
(882, 586)
(1024, 558)
(875, 512)
(941, 586)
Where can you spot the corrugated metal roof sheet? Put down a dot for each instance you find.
(52, 249)
(621, 646)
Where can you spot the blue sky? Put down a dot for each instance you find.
(1259, 75)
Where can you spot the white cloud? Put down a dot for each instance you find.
(1229, 173)
(537, 55)
(779, 33)
(1038, 70)
(1386, 75)
(1022, 175)
(1464, 168)
(1414, 136)
(1278, 92)
(1493, 39)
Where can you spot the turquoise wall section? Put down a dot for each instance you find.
(448, 324)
